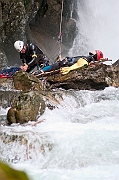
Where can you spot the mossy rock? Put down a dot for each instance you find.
(8, 173)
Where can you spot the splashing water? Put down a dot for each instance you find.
(97, 28)
(77, 140)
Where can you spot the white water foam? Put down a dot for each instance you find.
(77, 140)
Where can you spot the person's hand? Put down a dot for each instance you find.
(24, 68)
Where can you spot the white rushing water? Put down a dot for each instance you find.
(97, 28)
(77, 140)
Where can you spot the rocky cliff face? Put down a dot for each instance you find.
(35, 21)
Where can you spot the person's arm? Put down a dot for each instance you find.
(25, 66)
(23, 60)
(32, 62)
(28, 65)
(33, 51)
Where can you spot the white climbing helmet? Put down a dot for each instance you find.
(19, 45)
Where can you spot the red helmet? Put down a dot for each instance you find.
(99, 54)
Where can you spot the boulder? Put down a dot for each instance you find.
(17, 93)
(26, 108)
(25, 81)
(95, 77)
(32, 100)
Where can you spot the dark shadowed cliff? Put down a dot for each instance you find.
(35, 21)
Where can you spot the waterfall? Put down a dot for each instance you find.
(97, 28)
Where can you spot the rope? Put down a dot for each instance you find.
(60, 33)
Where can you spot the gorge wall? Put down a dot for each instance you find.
(36, 21)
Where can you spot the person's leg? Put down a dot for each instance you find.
(46, 68)
(80, 63)
(52, 67)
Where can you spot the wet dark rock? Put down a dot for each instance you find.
(29, 106)
(6, 83)
(26, 108)
(32, 100)
(6, 97)
(26, 82)
(92, 78)
(3, 59)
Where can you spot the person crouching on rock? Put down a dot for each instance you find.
(31, 56)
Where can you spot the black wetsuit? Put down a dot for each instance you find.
(69, 61)
(33, 57)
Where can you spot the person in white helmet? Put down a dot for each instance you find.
(31, 56)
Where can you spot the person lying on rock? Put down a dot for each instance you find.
(81, 61)
(31, 56)
(72, 63)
